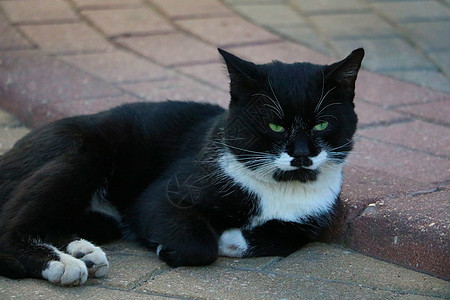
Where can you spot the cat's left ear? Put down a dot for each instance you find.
(345, 71)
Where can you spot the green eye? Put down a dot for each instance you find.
(321, 126)
(276, 128)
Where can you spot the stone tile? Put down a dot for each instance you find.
(172, 49)
(370, 114)
(417, 135)
(431, 79)
(400, 162)
(128, 271)
(435, 111)
(412, 231)
(305, 35)
(352, 26)
(388, 92)
(428, 35)
(219, 283)
(176, 9)
(66, 38)
(51, 112)
(442, 59)
(8, 120)
(118, 66)
(123, 247)
(128, 21)
(40, 289)
(284, 51)
(11, 39)
(245, 2)
(270, 14)
(183, 89)
(89, 4)
(226, 31)
(329, 6)
(386, 54)
(412, 11)
(37, 11)
(214, 74)
(9, 136)
(24, 74)
(257, 263)
(343, 265)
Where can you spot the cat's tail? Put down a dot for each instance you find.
(11, 267)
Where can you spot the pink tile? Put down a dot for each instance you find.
(399, 161)
(387, 92)
(226, 31)
(417, 135)
(37, 11)
(214, 74)
(438, 111)
(128, 21)
(372, 114)
(118, 66)
(282, 51)
(172, 49)
(89, 4)
(192, 9)
(183, 89)
(66, 38)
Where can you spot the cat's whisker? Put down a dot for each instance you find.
(321, 100)
(277, 103)
(331, 104)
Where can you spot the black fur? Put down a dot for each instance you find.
(158, 165)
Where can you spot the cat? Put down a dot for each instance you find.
(191, 181)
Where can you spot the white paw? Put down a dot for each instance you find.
(232, 243)
(68, 271)
(91, 255)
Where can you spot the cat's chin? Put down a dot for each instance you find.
(302, 175)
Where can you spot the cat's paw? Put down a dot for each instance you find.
(68, 271)
(91, 255)
(232, 243)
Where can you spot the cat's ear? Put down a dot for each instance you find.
(242, 73)
(344, 72)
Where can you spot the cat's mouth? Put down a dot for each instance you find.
(285, 162)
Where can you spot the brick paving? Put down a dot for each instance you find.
(65, 57)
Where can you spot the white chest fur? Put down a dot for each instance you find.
(286, 201)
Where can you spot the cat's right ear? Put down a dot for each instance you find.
(243, 74)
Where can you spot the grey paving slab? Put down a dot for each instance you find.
(8, 136)
(329, 6)
(387, 54)
(352, 26)
(412, 11)
(270, 14)
(430, 36)
(432, 79)
(442, 60)
(341, 265)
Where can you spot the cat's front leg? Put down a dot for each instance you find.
(273, 238)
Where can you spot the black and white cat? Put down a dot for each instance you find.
(191, 181)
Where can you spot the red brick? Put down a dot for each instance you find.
(53, 111)
(30, 79)
(66, 38)
(118, 66)
(89, 4)
(172, 49)
(416, 135)
(411, 231)
(387, 92)
(128, 21)
(282, 51)
(10, 38)
(372, 114)
(215, 74)
(436, 111)
(226, 31)
(178, 89)
(192, 9)
(37, 11)
(399, 161)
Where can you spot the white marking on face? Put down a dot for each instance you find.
(232, 243)
(318, 160)
(290, 201)
(284, 162)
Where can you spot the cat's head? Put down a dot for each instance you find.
(291, 121)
